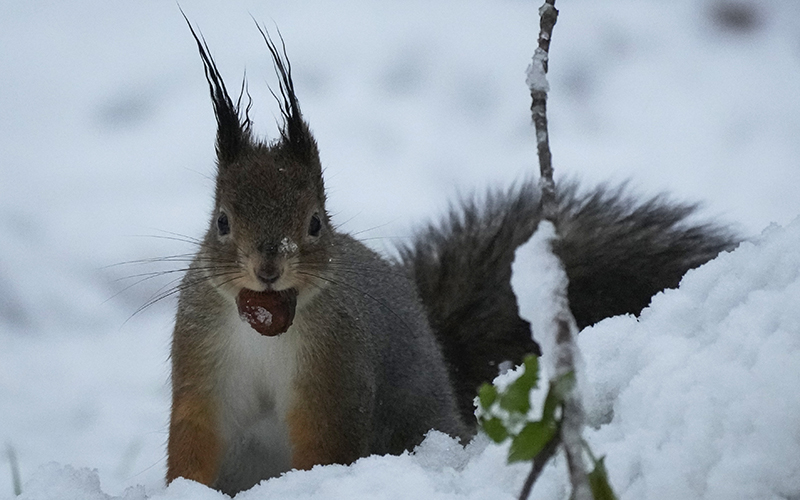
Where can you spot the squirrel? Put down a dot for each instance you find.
(296, 345)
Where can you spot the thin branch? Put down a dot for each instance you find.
(561, 326)
(537, 82)
(14, 464)
(539, 461)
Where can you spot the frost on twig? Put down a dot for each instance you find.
(547, 308)
(537, 78)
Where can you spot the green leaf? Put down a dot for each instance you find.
(598, 482)
(530, 441)
(516, 397)
(487, 395)
(495, 429)
(531, 363)
(551, 402)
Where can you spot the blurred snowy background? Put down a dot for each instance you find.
(106, 152)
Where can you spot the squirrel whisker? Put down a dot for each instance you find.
(161, 295)
(381, 303)
(362, 270)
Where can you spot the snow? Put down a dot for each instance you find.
(705, 400)
(440, 469)
(257, 314)
(540, 283)
(108, 151)
(287, 246)
(537, 78)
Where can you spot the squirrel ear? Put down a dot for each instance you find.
(233, 132)
(295, 133)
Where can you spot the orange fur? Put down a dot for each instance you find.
(194, 448)
(307, 436)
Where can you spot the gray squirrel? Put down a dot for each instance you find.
(296, 345)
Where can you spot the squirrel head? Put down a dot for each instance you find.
(269, 229)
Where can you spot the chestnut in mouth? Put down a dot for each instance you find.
(269, 313)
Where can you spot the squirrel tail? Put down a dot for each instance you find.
(618, 251)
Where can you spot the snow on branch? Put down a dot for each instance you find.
(504, 409)
(560, 328)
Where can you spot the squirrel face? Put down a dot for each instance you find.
(269, 230)
(270, 221)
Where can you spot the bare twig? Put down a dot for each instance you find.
(539, 461)
(561, 325)
(537, 82)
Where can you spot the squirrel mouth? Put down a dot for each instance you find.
(270, 313)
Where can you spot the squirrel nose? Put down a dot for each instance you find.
(268, 274)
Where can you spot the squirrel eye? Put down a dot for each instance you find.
(223, 226)
(314, 226)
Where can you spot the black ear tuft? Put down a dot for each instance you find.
(295, 132)
(233, 132)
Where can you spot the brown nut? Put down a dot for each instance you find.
(269, 313)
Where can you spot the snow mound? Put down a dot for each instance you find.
(701, 390)
(53, 481)
(439, 469)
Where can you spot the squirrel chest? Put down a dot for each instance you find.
(253, 393)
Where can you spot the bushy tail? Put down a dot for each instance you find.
(618, 252)
(462, 268)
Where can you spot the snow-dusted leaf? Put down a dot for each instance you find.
(530, 441)
(487, 395)
(494, 428)
(516, 397)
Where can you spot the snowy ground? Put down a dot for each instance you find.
(107, 149)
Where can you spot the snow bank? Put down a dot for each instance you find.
(439, 469)
(695, 399)
(703, 387)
